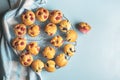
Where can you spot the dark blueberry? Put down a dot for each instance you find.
(47, 64)
(65, 29)
(69, 39)
(36, 70)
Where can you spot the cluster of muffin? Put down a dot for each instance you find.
(55, 18)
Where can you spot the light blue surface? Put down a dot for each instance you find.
(98, 52)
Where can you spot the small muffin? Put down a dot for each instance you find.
(20, 30)
(28, 18)
(55, 16)
(49, 52)
(69, 49)
(57, 41)
(64, 25)
(84, 27)
(42, 14)
(19, 43)
(61, 60)
(26, 59)
(50, 29)
(50, 66)
(71, 36)
(33, 48)
(37, 65)
(34, 30)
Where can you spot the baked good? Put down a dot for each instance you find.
(26, 59)
(37, 65)
(55, 16)
(50, 66)
(50, 29)
(71, 36)
(34, 30)
(84, 27)
(49, 52)
(20, 30)
(61, 60)
(19, 43)
(57, 41)
(33, 48)
(28, 18)
(42, 14)
(69, 49)
(64, 25)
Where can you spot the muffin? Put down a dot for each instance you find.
(34, 30)
(50, 66)
(71, 36)
(64, 25)
(26, 59)
(50, 29)
(49, 52)
(55, 16)
(69, 49)
(33, 48)
(20, 30)
(28, 18)
(84, 27)
(61, 60)
(42, 14)
(37, 65)
(57, 41)
(19, 43)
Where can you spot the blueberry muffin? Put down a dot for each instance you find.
(50, 29)
(28, 18)
(71, 36)
(61, 60)
(64, 25)
(26, 59)
(34, 30)
(84, 27)
(69, 49)
(37, 65)
(50, 66)
(57, 41)
(19, 43)
(42, 14)
(33, 48)
(49, 52)
(55, 16)
(20, 30)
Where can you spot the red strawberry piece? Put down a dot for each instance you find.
(28, 60)
(45, 17)
(30, 14)
(52, 42)
(45, 11)
(19, 33)
(22, 29)
(31, 45)
(25, 63)
(31, 18)
(50, 24)
(39, 13)
(22, 56)
(58, 18)
(16, 43)
(22, 43)
(25, 17)
(17, 27)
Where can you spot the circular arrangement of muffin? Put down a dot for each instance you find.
(31, 49)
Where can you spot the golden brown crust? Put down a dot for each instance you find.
(37, 65)
(50, 66)
(19, 43)
(26, 59)
(55, 16)
(49, 52)
(71, 36)
(28, 18)
(42, 14)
